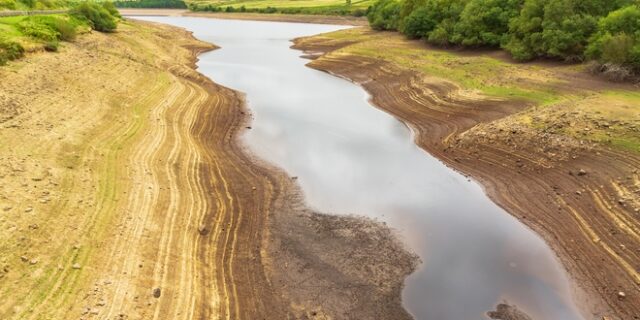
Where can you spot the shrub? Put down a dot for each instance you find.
(485, 22)
(617, 40)
(96, 15)
(48, 28)
(385, 15)
(66, 29)
(51, 46)
(111, 8)
(36, 28)
(10, 50)
(418, 23)
(8, 4)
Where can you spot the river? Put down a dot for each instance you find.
(352, 158)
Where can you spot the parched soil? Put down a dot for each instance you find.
(301, 18)
(126, 194)
(582, 197)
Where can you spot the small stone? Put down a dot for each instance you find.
(254, 188)
(582, 172)
(28, 209)
(33, 261)
(157, 292)
(7, 208)
(578, 193)
(24, 258)
(76, 266)
(202, 229)
(621, 295)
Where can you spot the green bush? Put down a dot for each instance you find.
(66, 29)
(8, 4)
(36, 28)
(418, 23)
(485, 22)
(111, 8)
(48, 28)
(385, 15)
(96, 15)
(51, 46)
(618, 38)
(10, 50)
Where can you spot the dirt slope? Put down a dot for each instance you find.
(125, 194)
(589, 217)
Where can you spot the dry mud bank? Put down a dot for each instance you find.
(126, 194)
(539, 155)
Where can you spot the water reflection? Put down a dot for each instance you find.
(352, 158)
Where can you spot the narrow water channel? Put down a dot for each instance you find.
(353, 158)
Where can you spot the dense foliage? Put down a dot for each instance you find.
(100, 16)
(175, 4)
(574, 30)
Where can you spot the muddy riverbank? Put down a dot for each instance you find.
(581, 197)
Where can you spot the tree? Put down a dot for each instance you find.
(384, 15)
(485, 22)
(618, 38)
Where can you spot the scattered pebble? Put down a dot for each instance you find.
(157, 292)
(76, 266)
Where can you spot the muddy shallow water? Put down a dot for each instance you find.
(351, 158)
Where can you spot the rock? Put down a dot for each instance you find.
(621, 295)
(578, 193)
(157, 292)
(28, 209)
(254, 188)
(7, 208)
(202, 229)
(76, 266)
(582, 172)
(24, 258)
(33, 226)
(33, 261)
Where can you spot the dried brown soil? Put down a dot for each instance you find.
(126, 194)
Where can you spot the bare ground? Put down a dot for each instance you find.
(125, 194)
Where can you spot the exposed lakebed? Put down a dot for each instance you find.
(351, 158)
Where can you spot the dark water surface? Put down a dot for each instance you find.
(353, 158)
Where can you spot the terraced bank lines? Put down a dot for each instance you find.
(581, 196)
(126, 194)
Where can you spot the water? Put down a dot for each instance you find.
(353, 158)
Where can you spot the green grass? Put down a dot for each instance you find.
(336, 7)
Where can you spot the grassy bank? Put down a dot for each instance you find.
(22, 34)
(602, 112)
(324, 7)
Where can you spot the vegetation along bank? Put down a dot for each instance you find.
(607, 33)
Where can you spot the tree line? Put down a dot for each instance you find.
(605, 31)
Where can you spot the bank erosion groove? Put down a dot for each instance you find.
(128, 196)
(544, 164)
